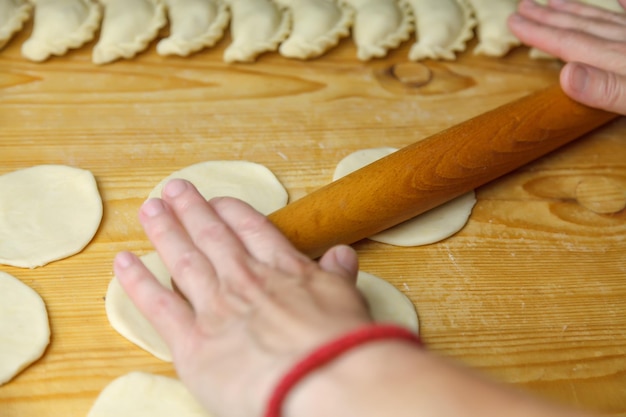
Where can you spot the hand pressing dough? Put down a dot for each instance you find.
(494, 36)
(386, 303)
(443, 28)
(127, 28)
(380, 25)
(24, 328)
(61, 25)
(257, 26)
(47, 212)
(194, 25)
(140, 394)
(432, 226)
(318, 25)
(247, 181)
(13, 14)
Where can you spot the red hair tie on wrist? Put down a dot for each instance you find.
(326, 353)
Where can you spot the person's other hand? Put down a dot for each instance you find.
(590, 40)
(254, 304)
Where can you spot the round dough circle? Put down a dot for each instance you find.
(140, 394)
(386, 302)
(247, 181)
(430, 227)
(47, 212)
(24, 327)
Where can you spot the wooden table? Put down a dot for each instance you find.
(532, 291)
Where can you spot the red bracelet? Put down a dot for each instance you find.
(330, 351)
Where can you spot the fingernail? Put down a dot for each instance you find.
(578, 77)
(123, 260)
(153, 207)
(174, 188)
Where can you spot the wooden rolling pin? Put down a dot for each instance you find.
(432, 171)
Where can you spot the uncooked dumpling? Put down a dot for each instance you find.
(434, 225)
(257, 26)
(194, 25)
(13, 14)
(127, 28)
(386, 303)
(61, 25)
(318, 25)
(47, 212)
(494, 36)
(380, 25)
(140, 394)
(443, 28)
(24, 328)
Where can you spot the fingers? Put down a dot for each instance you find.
(584, 10)
(576, 17)
(341, 260)
(569, 45)
(191, 271)
(260, 237)
(169, 314)
(595, 87)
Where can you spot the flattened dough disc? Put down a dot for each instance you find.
(47, 212)
(434, 225)
(24, 328)
(247, 181)
(140, 394)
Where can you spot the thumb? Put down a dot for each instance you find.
(594, 87)
(341, 260)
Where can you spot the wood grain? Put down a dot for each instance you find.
(532, 291)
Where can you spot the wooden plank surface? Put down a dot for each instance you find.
(532, 291)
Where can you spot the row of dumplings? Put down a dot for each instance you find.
(300, 29)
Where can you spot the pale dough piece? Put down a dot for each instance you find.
(24, 327)
(194, 25)
(128, 321)
(247, 181)
(432, 226)
(494, 36)
(443, 28)
(61, 25)
(140, 394)
(127, 28)
(379, 26)
(13, 14)
(318, 25)
(257, 26)
(47, 212)
(386, 303)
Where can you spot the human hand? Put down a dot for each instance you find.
(591, 40)
(254, 304)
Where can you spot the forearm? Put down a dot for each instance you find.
(396, 379)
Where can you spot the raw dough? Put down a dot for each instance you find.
(61, 25)
(432, 226)
(443, 28)
(194, 25)
(24, 328)
(13, 14)
(257, 26)
(318, 25)
(380, 25)
(494, 36)
(139, 394)
(127, 28)
(47, 212)
(386, 302)
(247, 181)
